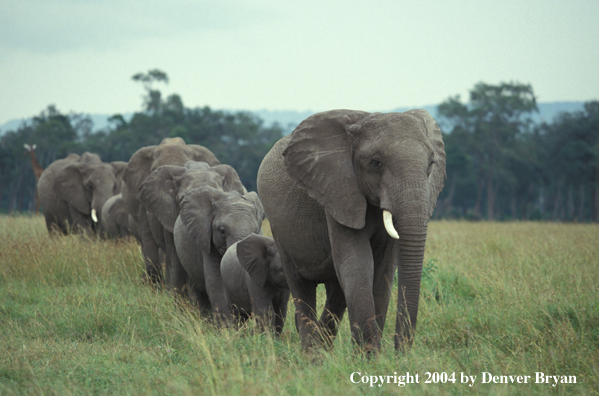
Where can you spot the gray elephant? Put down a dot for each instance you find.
(73, 190)
(254, 280)
(196, 213)
(145, 160)
(349, 195)
(116, 221)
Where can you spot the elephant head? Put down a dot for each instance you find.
(87, 184)
(258, 256)
(216, 219)
(171, 151)
(165, 188)
(349, 161)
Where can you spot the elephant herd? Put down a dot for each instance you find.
(348, 195)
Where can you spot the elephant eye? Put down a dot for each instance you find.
(430, 167)
(90, 186)
(222, 231)
(375, 164)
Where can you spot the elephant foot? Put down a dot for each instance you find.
(403, 343)
(153, 280)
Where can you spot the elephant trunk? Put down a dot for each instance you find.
(411, 255)
(410, 218)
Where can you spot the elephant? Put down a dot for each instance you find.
(254, 280)
(349, 195)
(116, 221)
(196, 212)
(171, 151)
(73, 190)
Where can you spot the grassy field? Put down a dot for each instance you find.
(508, 299)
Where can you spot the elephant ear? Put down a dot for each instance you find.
(158, 193)
(119, 169)
(137, 170)
(196, 214)
(438, 173)
(231, 181)
(318, 158)
(253, 198)
(68, 185)
(201, 153)
(252, 253)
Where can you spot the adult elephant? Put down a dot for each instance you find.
(171, 151)
(197, 212)
(73, 190)
(349, 195)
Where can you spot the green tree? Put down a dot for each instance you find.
(153, 98)
(572, 156)
(491, 124)
(55, 135)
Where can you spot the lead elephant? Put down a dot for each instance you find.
(73, 190)
(255, 283)
(145, 160)
(349, 195)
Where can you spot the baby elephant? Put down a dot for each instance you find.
(253, 277)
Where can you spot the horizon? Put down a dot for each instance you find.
(14, 124)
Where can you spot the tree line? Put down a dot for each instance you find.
(239, 139)
(500, 165)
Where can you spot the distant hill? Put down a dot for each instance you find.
(289, 119)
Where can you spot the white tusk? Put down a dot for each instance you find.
(94, 216)
(388, 220)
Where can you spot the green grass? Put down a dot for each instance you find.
(503, 298)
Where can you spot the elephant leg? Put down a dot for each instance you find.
(384, 272)
(80, 223)
(354, 266)
(178, 276)
(333, 312)
(262, 306)
(56, 226)
(149, 249)
(216, 287)
(304, 298)
(202, 300)
(280, 311)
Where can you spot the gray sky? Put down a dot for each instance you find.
(301, 55)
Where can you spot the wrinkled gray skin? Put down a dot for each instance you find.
(145, 160)
(255, 283)
(71, 187)
(116, 221)
(324, 189)
(200, 211)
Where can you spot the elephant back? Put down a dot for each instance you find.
(147, 159)
(45, 185)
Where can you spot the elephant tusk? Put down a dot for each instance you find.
(388, 220)
(94, 216)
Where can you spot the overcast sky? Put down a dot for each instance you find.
(301, 55)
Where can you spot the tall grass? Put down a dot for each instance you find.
(503, 298)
